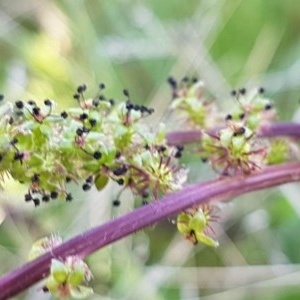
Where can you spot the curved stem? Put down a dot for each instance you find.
(103, 235)
(288, 129)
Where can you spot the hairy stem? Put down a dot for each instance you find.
(103, 235)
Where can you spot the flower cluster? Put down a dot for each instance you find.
(252, 108)
(44, 245)
(233, 150)
(192, 104)
(194, 225)
(69, 278)
(230, 144)
(279, 150)
(96, 141)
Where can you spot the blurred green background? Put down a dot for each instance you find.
(48, 48)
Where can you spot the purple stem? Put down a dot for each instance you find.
(183, 137)
(86, 243)
(280, 129)
(266, 130)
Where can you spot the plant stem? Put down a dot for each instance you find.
(288, 129)
(103, 235)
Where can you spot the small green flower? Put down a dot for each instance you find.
(233, 149)
(69, 278)
(154, 170)
(278, 151)
(44, 245)
(59, 271)
(191, 103)
(252, 108)
(193, 224)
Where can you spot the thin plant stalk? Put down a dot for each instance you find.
(288, 129)
(221, 189)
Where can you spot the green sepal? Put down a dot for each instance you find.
(46, 129)
(5, 109)
(28, 125)
(18, 171)
(183, 220)
(226, 136)
(52, 285)
(39, 138)
(176, 102)
(260, 103)
(37, 248)
(35, 252)
(43, 245)
(4, 141)
(94, 136)
(92, 166)
(205, 239)
(137, 160)
(95, 115)
(59, 271)
(253, 121)
(103, 106)
(198, 221)
(193, 90)
(81, 292)
(238, 143)
(161, 134)
(120, 131)
(36, 160)
(75, 111)
(101, 181)
(25, 141)
(77, 275)
(147, 158)
(278, 152)
(66, 145)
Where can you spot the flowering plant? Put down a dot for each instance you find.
(100, 140)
